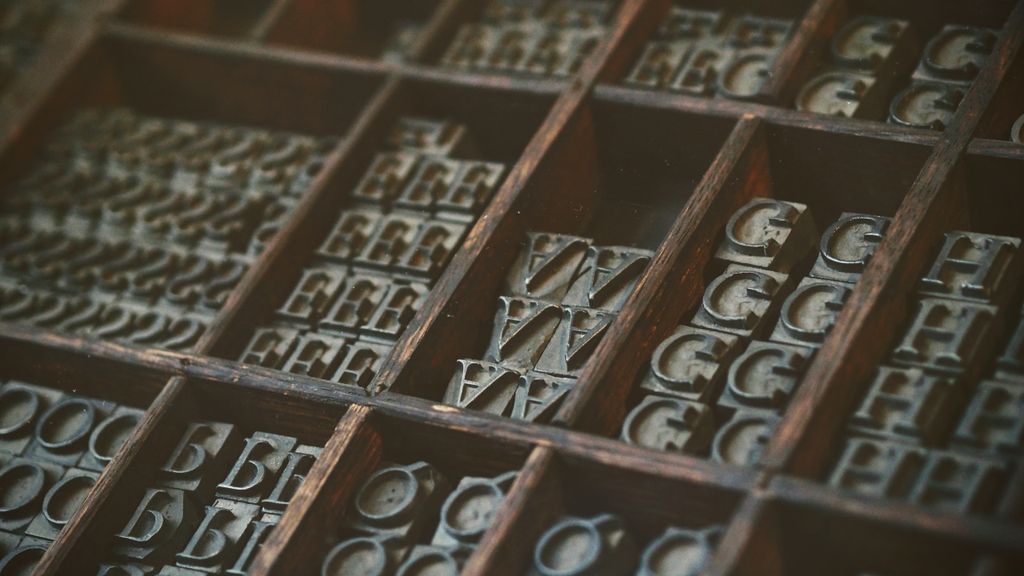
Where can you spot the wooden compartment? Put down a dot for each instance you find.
(801, 538)
(621, 177)
(769, 166)
(584, 154)
(373, 441)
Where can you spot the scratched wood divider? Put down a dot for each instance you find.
(929, 182)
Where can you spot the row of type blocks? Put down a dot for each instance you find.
(868, 57)
(604, 544)
(409, 520)
(532, 37)
(213, 503)
(710, 53)
(942, 422)
(561, 295)
(53, 446)
(720, 382)
(371, 274)
(137, 228)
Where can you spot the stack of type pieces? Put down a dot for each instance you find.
(137, 228)
(941, 423)
(869, 59)
(53, 447)
(410, 520)
(371, 274)
(211, 505)
(710, 53)
(721, 381)
(561, 295)
(530, 37)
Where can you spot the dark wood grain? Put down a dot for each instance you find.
(297, 543)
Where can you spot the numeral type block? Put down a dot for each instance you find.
(847, 245)
(577, 546)
(764, 376)
(741, 300)
(908, 404)
(810, 312)
(670, 424)
(768, 233)
(947, 336)
(691, 364)
(742, 441)
(993, 423)
(469, 510)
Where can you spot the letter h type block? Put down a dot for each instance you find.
(947, 336)
(907, 404)
(975, 267)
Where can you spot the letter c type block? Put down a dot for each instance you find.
(578, 546)
(469, 510)
(679, 551)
